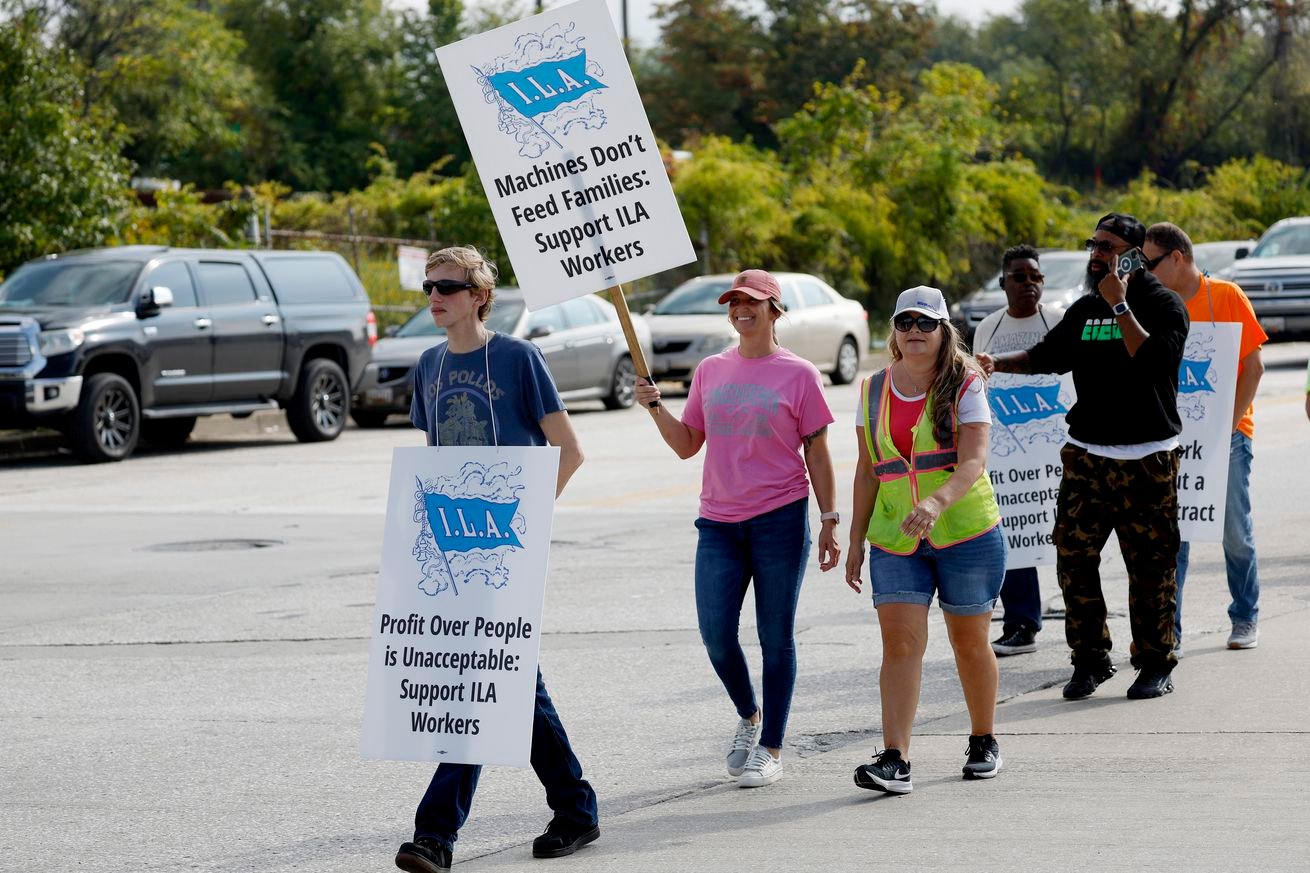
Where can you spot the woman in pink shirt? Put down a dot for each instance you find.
(760, 412)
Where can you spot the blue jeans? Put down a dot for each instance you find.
(770, 549)
(445, 807)
(966, 577)
(1022, 600)
(1239, 540)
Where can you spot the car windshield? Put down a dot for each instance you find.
(1213, 257)
(504, 316)
(1062, 273)
(697, 297)
(64, 283)
(1294, 240)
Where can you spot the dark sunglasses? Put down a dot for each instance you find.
(1155, 262)
(1104, 246)
(926, 324)
(1023, 276)
(445, 287)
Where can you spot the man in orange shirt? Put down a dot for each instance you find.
(1168, 252)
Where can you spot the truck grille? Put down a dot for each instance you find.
(15, 350)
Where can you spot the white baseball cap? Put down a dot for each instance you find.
(923, 300)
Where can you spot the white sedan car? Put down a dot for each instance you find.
(820, 325)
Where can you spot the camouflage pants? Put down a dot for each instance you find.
(1138, 500)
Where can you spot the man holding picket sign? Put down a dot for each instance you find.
(522, 407)
(583, 203)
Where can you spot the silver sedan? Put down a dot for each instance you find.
(581, 340)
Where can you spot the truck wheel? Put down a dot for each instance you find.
(107, 422)
(366, 418)
(848, 363)
(623, 385)
(318, 410)
(167, 433)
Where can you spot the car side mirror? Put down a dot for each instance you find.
(650, 307)
(1241, 253)
(155, 299)
(391, 330)
(540, 330)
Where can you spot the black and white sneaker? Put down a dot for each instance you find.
(1020, 641)
(887, 773)
(984, 757)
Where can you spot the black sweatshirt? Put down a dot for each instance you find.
(1122, 399)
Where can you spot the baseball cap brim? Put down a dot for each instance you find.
(753, 292)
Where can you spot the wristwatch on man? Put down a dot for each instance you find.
(830, 516)
(1120, 308)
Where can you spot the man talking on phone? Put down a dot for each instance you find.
(1123, 341)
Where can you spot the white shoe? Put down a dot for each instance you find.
(743, 743)
(761, 769)
(1245, 635)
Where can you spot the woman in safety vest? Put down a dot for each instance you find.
(923, 499)
(760, 412)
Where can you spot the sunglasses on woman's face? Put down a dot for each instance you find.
(926, 324)
(445, 287)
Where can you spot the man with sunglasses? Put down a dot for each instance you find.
(1123, 342)
(1021, 324)
(1169, 256)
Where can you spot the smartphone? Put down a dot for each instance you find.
(1129, 262)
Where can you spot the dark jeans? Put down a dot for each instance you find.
(1022, 601)
(445, 807)
(770, 549)
(1138, 500)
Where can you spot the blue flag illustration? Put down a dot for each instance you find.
(1023, 403)
(546, 86)
(464, 523)
(1194, 376)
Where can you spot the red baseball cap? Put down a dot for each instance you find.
(757, 283)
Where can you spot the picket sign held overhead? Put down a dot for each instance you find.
(452, 671)
(572, 171)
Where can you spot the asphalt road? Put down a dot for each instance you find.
(183, 641)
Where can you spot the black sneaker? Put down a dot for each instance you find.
(424, 855)
(1017, 642)
(563, 837)
(1150, 682)
(887, 773)
(984, 757)
(1086, 679)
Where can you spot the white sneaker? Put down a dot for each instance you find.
(1245, 635)
(761, 769)
(743, 743)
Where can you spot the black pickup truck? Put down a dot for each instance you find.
(114, 345)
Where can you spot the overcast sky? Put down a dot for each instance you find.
(645, 30)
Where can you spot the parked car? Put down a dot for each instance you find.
(1276, 277)
(1218, 258)
(820, 325)
(116, 345)
(1064, 270)
(581, 339)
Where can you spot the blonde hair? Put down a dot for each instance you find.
(953, 366)
(477, 270)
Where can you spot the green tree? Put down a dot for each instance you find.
(63, 182)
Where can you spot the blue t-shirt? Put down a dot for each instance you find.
(522, 394)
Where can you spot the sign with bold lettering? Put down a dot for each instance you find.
(574, 176)
(412, 262)
(1028, 431)
(452, 673)
(1207, 390)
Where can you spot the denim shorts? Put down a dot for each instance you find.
(967, 576)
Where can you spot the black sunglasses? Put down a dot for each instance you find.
(1104, 246)
(1155, 262)
(445, 287)
(926, 324)
(1025, 276)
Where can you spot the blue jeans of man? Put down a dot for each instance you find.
(771, 549)
(445, 807)
(1022, 601)
(1239, 541)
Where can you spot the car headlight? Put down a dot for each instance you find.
(712, 345)
(59, 342)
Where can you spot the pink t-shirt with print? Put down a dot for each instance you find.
(754, 413)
